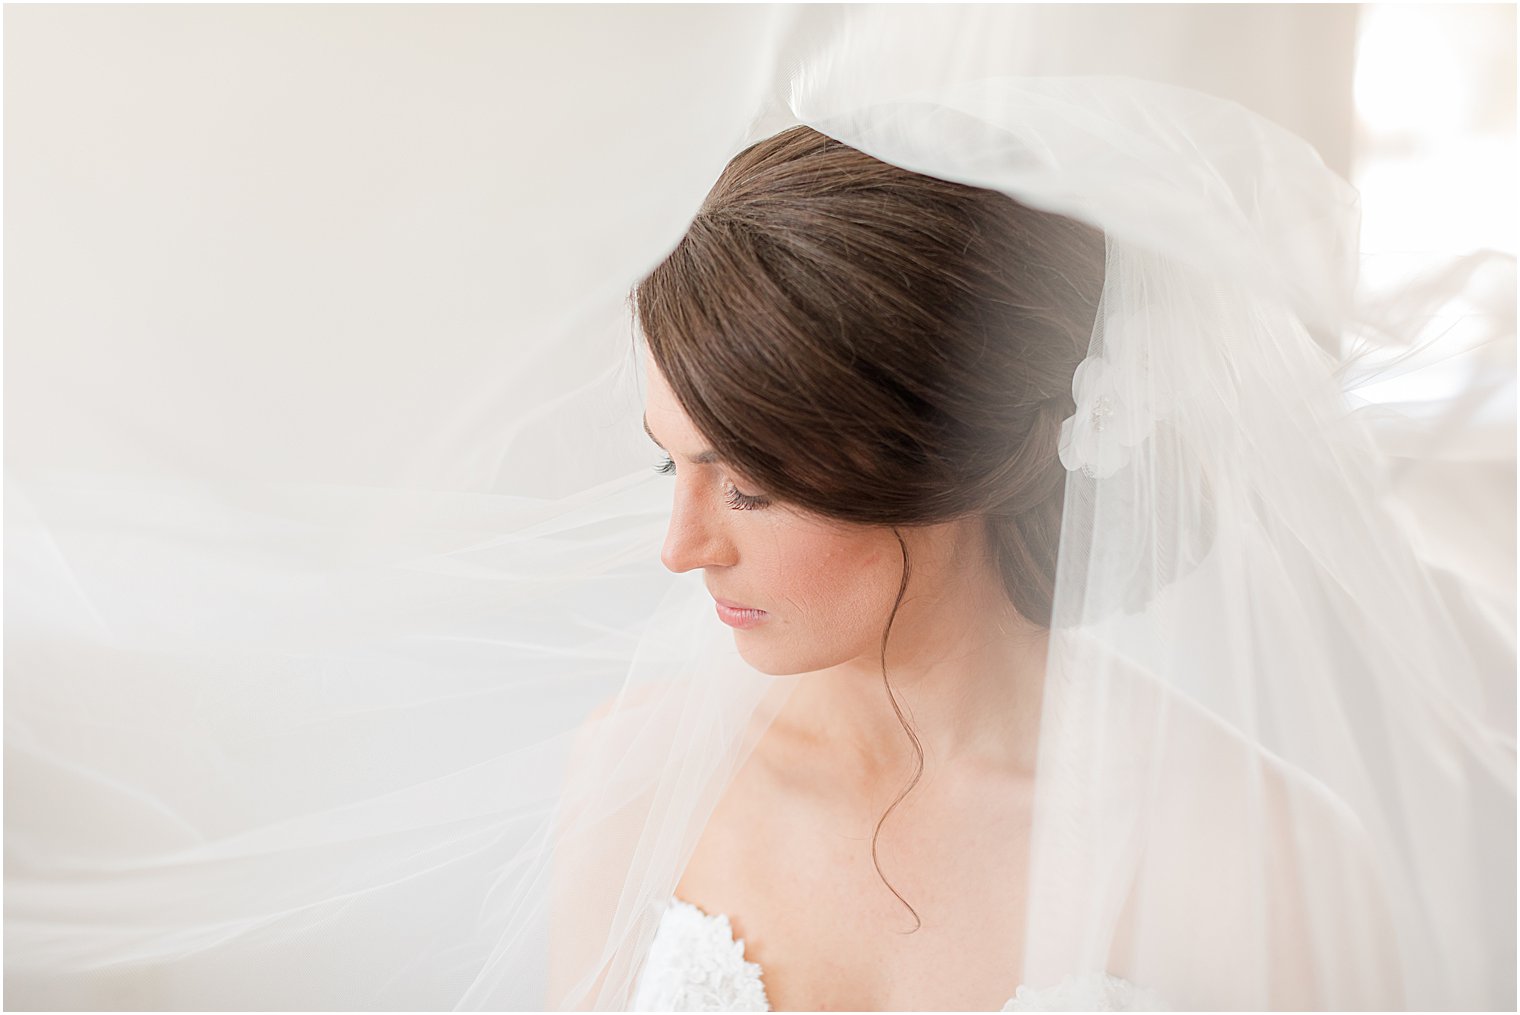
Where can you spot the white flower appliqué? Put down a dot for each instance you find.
(1113, 414)
(1089, 992)
(694, 964)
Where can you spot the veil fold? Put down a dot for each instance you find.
(342, 671)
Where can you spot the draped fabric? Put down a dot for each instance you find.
(341, 670)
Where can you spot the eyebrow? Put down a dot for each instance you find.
(702, 458)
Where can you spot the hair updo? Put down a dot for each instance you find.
(878, 346)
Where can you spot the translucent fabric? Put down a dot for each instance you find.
(341, 668)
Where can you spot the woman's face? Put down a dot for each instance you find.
(810, 593)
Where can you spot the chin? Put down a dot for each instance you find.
(776, 661)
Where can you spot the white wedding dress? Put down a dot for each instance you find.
(695, 964)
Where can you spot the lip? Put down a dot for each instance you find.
(735, 615)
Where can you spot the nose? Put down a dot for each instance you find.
(697, 536)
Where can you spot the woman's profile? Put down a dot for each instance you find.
(849, 494)
(858, 378)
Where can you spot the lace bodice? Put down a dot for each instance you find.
(695, 964)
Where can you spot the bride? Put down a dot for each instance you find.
(858, 376)
(1049, 626)
(851, 501)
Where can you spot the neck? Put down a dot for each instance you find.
(967, 673)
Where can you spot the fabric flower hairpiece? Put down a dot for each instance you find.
(1114, 414)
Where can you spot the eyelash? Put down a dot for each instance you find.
(736, 500)
(743, 501)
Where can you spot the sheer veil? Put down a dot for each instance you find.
(341, 668)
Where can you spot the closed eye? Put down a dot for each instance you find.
(737, 500)
(743, 501)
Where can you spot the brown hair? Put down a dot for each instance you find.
(881, 347)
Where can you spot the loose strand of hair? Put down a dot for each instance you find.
(918, 747)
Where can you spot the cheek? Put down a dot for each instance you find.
(844, 584)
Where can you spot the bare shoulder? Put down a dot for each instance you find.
(749, 809)
(593, 833)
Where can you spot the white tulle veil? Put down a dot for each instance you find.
(341, 670)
